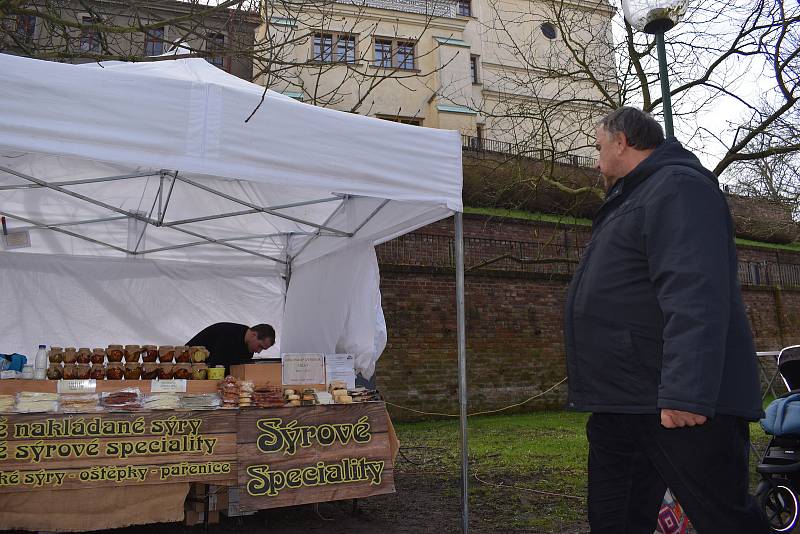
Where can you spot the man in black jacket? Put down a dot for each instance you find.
(658, 344)
(232, 343)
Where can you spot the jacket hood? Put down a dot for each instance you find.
(669, 152)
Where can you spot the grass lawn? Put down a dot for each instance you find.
(527, 471)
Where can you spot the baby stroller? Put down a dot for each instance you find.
(780, 464)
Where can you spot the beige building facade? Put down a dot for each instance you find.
(498, 71)
(84, 31)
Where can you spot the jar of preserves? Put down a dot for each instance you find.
(84, 355)
(98, 356)
(70, 372)
(98, 371)
(183, 354)
(55, 372)
(182, 371)
(165, 371)
(149, 353)
(149, 371)
(114, 353)
(133, 371)
(114, 371)
(55, 355)
(82, 371)
(166, 354)
(199, 371)
(199, 354)
(132, 353)
(70, 355)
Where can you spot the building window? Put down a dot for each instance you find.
(216, 49)
(383, 53)
(334, 47)
(391, 53)
(473, 69)
(405, 55)
(90, 39)
(154, 42)
(548, 30)
(414, 121)
(26, 26)
(465, 8)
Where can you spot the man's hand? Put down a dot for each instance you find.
(679, 419)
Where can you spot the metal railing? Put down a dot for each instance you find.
(543, 257)
(481, 144)
(481, 254)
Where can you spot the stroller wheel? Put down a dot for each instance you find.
(779, 504)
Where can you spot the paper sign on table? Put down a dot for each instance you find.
(340, 367)
(177, 385)
(298, 369)
(77, 386)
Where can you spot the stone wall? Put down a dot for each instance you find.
(513, 313)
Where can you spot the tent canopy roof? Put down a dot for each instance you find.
(159, 159)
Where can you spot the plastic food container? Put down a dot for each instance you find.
(149, 353)
(183, 354)
(199, 371)
(149, 371)
(84, 355)
(165, 371)
(182, 371)
(132, 353)
(55, 372)
(114, 353)
(83, 371)
(199, 354)
(55, 355)
(70, 355)
(114, 371)
(98, 356)
(70, 371)
(133, 371)
(216, 373)
(166, 354)
(98, 371)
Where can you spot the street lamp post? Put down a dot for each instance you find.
(656, 17)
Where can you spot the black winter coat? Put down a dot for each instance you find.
(654, 315)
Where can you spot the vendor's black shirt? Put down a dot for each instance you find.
(225, 342)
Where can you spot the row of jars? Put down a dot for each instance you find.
(129, 371)
(130, 353)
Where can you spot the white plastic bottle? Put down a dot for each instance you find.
(40, 363)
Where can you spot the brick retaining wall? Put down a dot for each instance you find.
(513, 314)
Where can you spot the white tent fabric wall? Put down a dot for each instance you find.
(125, 161)
(66, 300)
(344, 288)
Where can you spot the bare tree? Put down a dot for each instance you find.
(595, 63)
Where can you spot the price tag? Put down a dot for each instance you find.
(77, 386)
(177, 385)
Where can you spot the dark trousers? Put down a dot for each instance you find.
(633, 459)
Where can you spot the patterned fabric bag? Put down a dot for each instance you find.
(671, 519)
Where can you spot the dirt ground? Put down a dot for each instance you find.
(422, 504)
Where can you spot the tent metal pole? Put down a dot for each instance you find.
(270, 211)
(462, 370)
(79, 182)
(72, 223)
(248, 212)
(62, 231)
(226, 244)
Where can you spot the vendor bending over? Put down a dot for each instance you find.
(231, 343)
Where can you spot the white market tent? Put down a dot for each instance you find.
(153, 208)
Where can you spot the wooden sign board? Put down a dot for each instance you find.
(290, 456)
(90, 450)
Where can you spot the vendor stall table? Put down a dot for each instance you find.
(112, 469)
